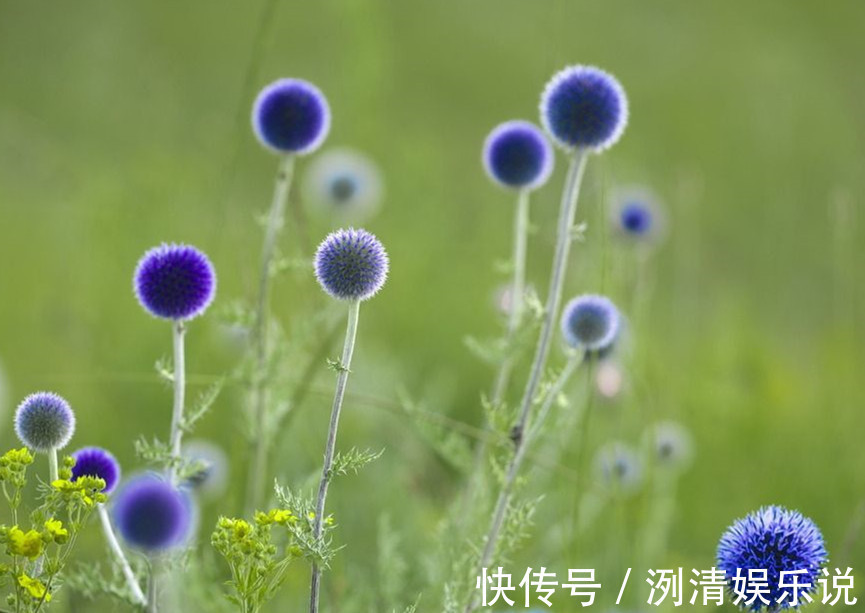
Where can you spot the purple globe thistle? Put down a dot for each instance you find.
(351, 264)
(99, 463)
(773, 539)
(151, 514)
(175, 282)
(637, 216)
(590, 322)
(583, 107)
(291, 116)
(44, 421)
(343, 184)
(517, 155)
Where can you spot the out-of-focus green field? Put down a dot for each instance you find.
(123, 125)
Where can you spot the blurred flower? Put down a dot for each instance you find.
(609, 379)
(773, 539)
(619, 468)
(291, 116)
(583, 107)
(351, 264)
(151, 514)
(590, 322)
(344, 184)
(211, 481)
(637, 216)
(516, 154)
(44, 421)
(671, 445)
(175, 282)
(96, 462)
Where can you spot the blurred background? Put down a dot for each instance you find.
(125, 125)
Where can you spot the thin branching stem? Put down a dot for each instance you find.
(114, 545)
(521, 432)
(341, 382)
(179, 380)
(259, 392)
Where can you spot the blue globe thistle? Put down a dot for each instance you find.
(291, 116)
(637, 216)
(211, 481)
(151, 514)
(343, 184)
(96, 462)
(773, 539)
(583, 107)
(175, 282)
(351, 264)
(44, 421)
(671, 445)
(517, 154)
(619, 468)
(590, 323)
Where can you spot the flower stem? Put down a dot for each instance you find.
(153, 589)
(258, 463)
(53, 471)
(114, 545)
(178, 330)
(567, 214)
(341, 381)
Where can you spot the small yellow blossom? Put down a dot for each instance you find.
(34, 587)
(27, 544)
(57, 531)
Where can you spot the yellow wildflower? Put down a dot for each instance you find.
(57, 531)
(34, 587)
(27, 544)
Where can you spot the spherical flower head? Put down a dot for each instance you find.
(637, 216)
(211, 481)
(583, 107)
(619, 468)
(99, 463)
(44, 421)
(517, 155)
(151, 514)
(291, 116)
(671, 445)
(590, 323)
(175, 282)
(773, 539)
(351, 264)
(343, 184)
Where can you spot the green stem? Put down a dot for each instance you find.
(53, 471)
(341, 381)
(114, 545)
(275, 219)
(153, 589)
(567, 214)
(178, 332)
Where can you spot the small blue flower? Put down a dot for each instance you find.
(583, 107)
(96, 462)
(343, 184)
(773, 539)
(351, 264)
(212, 481)
(590, 323)
(671, 445)
(151, 514)
(175, 282)
(636, 215)
(44, 421)
(619, 468)
(291, 116)
(517, 154)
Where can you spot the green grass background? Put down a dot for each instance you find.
(124, 125)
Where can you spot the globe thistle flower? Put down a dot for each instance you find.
(619, 468)
(344, 184)
(583, 107)
(590, 322)
(151, 514)
(671, 445)
(291, 116)
(44, 422)
(773, 539)
(351, 264)
(636, 215)
(175, 282)
(517, 155)
(96, 462)
(212, 480)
